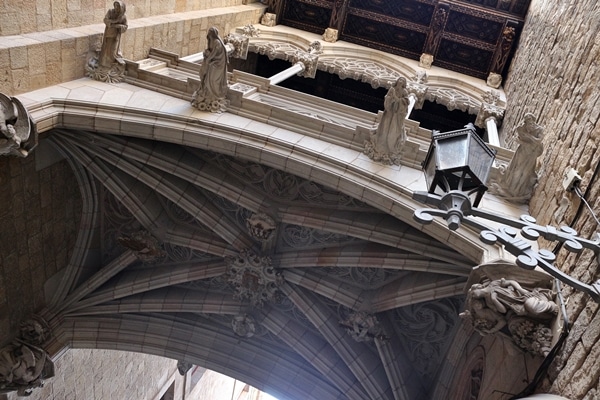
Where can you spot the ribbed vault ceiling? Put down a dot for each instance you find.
(260, 274)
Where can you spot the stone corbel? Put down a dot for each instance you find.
(419, 92)
(17, 131)
(239, 43)
(309, 61)
(426, 61)
(489, 111)
(494, 80)
(514, 303)
(269, 19)
(24, 364)
(331, 35)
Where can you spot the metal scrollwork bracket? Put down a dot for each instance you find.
(456, 209)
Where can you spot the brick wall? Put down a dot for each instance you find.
(555, 76)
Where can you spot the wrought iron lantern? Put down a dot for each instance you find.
(458, 160)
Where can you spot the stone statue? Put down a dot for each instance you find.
(504, 305)
(386, 141)
(109, 66)
(211, 95)
(15, 128)
(520, 177)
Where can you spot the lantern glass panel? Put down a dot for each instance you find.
(452, 152)
(480, 159)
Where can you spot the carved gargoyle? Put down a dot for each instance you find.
(17, 133)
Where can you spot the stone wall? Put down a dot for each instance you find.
(36, 60)
(39, 221)
(555, 76)
(21, 17)
(85, 374)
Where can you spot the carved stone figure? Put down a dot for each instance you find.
(386, 141)
(210, 96)
(109, 66)
(363, 327)
(146, 246)
(16, 128)
(494, 80)
(504, 305)
(519, 178)
(426, 60)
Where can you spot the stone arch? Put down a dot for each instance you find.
(129, 305)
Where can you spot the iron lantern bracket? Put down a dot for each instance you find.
(455, 207)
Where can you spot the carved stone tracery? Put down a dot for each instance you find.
(243, 325)
(254, 278)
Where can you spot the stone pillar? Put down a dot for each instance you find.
(492, 131)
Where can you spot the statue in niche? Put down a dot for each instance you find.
(517, 181)
(210, 96)
(387, 139)
(505, 306)
(109, 65)
(15, 128)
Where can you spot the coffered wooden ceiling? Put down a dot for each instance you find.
(474, 37)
